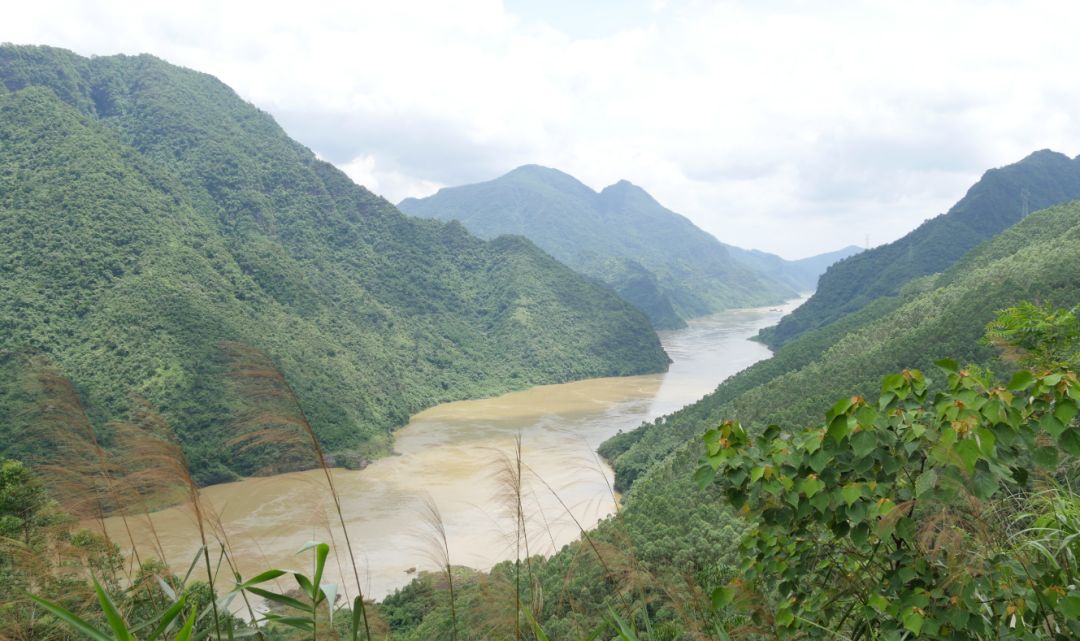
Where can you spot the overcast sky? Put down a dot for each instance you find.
(793, 127)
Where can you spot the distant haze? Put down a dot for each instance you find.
(792, 127)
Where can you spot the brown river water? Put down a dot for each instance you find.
(452, 453)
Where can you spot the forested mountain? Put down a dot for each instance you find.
(1000, 198)
(801, 275)
(677, 542)
(655, 258)
(148, 214)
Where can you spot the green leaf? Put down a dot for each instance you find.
(1065, 410)
(948, 365)
(863, 442)
(357, 618)
(112, 615)
(1046, 457)
(269, 575)
(704, 476)
(322, 550)
(73, 621)
(852, 492)
(1021, 381)
(537, 630)
(189, 625)
(1070, 442)
(1051, 425)
(913, 621)
(925, 482)
(1070, 606)
(167, 618)
(984, 485)
(287, 601)
(892, 382)
(968, 451)
(722, 596)
(878, 602)
(838, 428)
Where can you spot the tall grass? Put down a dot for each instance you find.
(279, 417)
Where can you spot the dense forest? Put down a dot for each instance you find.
(654, 258)
(189, 295)
(675, 544)
(1001, 198)
(148, 215)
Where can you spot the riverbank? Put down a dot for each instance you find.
(454, 453)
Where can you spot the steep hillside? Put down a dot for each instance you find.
(147, 214)
(1001, 198)
(937, 316)
(674, 542)
(613, 235)
(801, 275)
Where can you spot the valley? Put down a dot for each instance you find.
(453, 453)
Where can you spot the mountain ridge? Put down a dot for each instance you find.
(149, 214)
(616, 234)
(1000, 198)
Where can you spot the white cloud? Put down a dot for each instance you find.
(789, 126)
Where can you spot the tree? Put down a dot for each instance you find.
(918, 515)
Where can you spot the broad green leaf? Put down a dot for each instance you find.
(1046, 457)
(913, 621)
(838, 428)
(1070, 442)
(1021, 381)
(983, 484)
(722, 596)
(948, 365)
(705, 475)
(852, 492)
(1051, 425)
(878, 602)
(1065, 410)
(968, 451)
(925, 482)
(1070, 606)
(863, 442)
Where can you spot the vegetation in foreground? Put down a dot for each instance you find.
(945, 515)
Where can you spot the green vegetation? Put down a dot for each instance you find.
(1001, 198)
(935, 317)
(147, 215)
(947, 515)
(654, 258)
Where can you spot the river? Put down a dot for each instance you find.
(454, 454)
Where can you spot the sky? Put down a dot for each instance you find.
(794, 127)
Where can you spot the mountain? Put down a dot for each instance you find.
(1000, 198)
(680, 541)
(148, 214)
(620, 235)
(801, 275)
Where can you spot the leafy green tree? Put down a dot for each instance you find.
(23, 502)
(923, 514)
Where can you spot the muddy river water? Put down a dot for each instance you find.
(453, 454)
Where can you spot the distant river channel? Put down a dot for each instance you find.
(451, 453)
